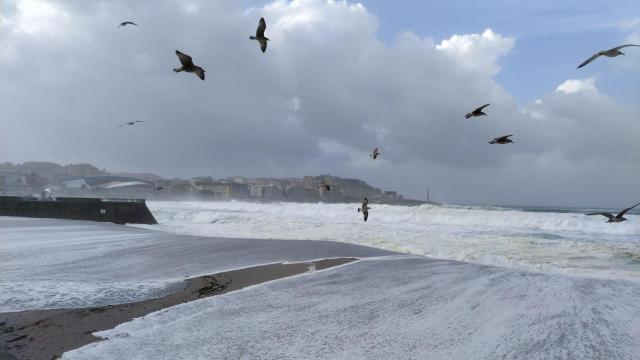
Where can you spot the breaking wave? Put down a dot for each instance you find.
(560, 241)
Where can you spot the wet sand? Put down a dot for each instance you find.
(46, 334)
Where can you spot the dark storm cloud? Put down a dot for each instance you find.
(325, 93)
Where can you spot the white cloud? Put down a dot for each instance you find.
(633, 37)
(572, 86)
(478, 52)
(327, 91)
(40, 18)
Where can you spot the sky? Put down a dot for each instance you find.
(338, 79)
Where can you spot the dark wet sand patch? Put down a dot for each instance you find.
(46, 334)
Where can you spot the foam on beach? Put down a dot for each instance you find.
(397, 308)
(48, 263)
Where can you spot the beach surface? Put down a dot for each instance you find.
(45, 334)
(50, 264)
(147, 294)
(393, 308)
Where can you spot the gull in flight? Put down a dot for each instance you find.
(617, 218)
(188, 66)
(365, 209)
(477, 112)
(125, 23)
(608, 53)
(130, 123)
(262, 26)
(501, 140)
(374, 155)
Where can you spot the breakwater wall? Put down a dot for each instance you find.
(119, 211)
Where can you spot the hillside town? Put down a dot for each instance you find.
(85, 180)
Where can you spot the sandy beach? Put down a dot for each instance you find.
(46, 334)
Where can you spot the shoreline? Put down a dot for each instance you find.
(47, 334)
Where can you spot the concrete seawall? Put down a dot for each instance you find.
(119, 211)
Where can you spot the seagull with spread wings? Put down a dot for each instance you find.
(608, 53)
(130, 123)
(262, 26)
(477, 112)
(365, 209)
(617, 218)
(501, 140)
(188, 66)
(374, 155)
(125, 23)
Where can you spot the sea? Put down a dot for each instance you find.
(561, 240)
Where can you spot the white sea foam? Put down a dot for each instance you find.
(549, 241)
(59, 263)
(405, 308)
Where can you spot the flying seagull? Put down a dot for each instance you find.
(129, 123)
(477, 112)
(501, 140)
(187, 65)
(618, 218)
(125, 23)
(365, 209)
(374, 154)
(262, 26)
(608, 53)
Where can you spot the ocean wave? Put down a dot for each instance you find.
(555, 241)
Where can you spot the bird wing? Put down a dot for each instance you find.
(623, 46)
(364, 204)
(595, 56)
(481, 107)
(505, 137)
(262, 26)
(607, 215)
(184, 59)
(200, 73)
(138, 121)
(366, 215)
(263, 44)
(621, 214)
(121, 125)
(132, 23)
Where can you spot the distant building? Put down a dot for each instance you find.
(220, 189)
(271, 192)
(237, 179)
(82, 170)
(309, 181)
(203, 184)
(75, 184)
(108, 186)
(256, 190)
(302, 194)
(391, 194)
